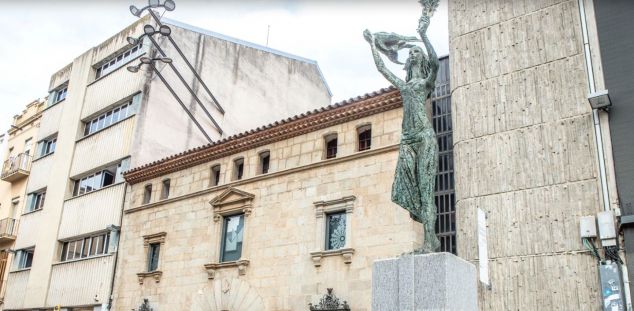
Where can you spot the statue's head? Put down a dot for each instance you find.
(414, 66)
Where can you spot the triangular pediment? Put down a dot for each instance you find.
(231, 196)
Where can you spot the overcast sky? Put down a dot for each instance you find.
(41, 37)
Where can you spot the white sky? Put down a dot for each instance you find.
(41, 37)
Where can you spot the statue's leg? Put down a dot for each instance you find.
(428, 167)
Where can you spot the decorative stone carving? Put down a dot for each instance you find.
(145, 306)
(241, 264)
(413, 187)
(345, 203)
(232, 201)
(329, 302)
(345, 253)
(155, 274)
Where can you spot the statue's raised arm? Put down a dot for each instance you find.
(429, 6)
(380, 65)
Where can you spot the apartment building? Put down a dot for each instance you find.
(101, 119)
(20, 148)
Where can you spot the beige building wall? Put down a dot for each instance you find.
(283, 226)
(12, 187)
(155, 128)
(525, 151)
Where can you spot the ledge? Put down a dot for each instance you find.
(346, 253)
(21, 270)
(155, 274)
(241, 264)
(80, 259)
(42, 157)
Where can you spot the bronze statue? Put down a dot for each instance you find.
(413, 187)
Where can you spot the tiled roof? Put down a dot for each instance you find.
(347, 110)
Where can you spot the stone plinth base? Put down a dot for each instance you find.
(439, 281)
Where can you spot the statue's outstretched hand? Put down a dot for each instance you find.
(368, 36)
(423, 24)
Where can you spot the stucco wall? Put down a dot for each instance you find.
(253, 86)
(524, 150)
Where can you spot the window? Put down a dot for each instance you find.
(109, 117)
(165, 191)
(153, 256)
(25, 258)
(147, 194)
(119, 60)
(331, 146)
(28, 144)
(215, 175)
(238, 168)
(58, 95)
(95, 181)
(232, 234)
(47, 146)
(335, 230)
(85, 247)
(264, 162)
(365, 137)
(35, 202)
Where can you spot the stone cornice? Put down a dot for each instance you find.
(360, 107)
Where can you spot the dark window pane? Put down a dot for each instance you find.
(365, 139)
(233, 229)
(331, 148)
(153, 256)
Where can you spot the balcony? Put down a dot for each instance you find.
(16, 168)
(8, 229)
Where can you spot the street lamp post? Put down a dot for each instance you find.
(151, 62)
(164, 30)
(169, 5)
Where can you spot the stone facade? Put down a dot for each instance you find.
(283, 265)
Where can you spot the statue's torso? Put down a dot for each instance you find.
(416, 125)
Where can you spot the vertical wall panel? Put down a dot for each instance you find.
(82, 282)
(104, 147)
(92, 212)
(40, 171)
(112, 88)
(16, 289)
(50, 120)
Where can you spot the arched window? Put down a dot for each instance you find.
(215, 175)
(265, 159)
(364, 133)
(238, 168)
(331, 146)
(165, 191)
(147, 194)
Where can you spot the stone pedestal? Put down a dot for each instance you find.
(439, 281)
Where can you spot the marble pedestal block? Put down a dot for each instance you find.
(438, 281)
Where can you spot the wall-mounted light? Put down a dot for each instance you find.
(600, 100)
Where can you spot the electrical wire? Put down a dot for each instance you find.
(593, 250)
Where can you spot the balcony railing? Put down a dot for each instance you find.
(8, 229)
(16, 167)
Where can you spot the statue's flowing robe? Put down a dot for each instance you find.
(413, 187)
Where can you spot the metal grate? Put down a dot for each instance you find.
(445, 197)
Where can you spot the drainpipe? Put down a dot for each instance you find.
(598, 135)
